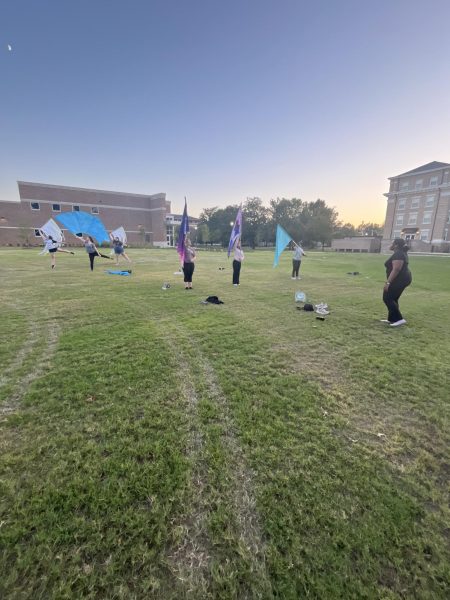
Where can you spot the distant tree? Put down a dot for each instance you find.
(342, 230)
(141, 234)
(370, 229)
(207, 213)
(288, 214)
(218, 221)
(255, 218)
(318, 222)
(203, 233)
(24, 235)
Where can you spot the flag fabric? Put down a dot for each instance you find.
(236, 231)
(51, 229)
(184, 230)
(82, 222)
(282, 240)
(121, 234)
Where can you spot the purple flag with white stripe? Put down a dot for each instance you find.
(236, 231)
(184, 230)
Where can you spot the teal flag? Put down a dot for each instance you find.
(283, 239)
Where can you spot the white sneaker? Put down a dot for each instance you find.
(298, 277)
(292, 277)
(397, 323)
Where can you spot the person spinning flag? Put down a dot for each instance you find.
(235, 242)
(185, 250)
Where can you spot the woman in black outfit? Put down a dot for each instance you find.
(398, 278)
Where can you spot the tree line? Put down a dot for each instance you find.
(311, 223)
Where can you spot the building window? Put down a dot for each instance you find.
(401, 204)
(396, 234)
(94, 210)
(412, 219)
(75, 208)
(419, 184)
(56, 207)
(415, 202)
(427, 217)
(429, 201)
(433, 181)
(37, 233)
(424, 234)
(399, 220)
(35, 206)
(404, 185)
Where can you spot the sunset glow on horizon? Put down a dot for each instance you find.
(223, 101)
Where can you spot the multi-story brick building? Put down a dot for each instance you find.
(418, 207)
(142, 216)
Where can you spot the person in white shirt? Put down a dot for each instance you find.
(296, 260)
(188, 264)
(238, 258)
(53, 247)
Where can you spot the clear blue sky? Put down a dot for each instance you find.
(218, 101)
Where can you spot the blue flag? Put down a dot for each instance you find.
(236, 232)
(283, 239)
(82, 222)
(184, 230)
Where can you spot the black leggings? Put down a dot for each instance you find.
(92, 255)
(188, 270)
(295, 267)
(236, 271)
(390, 298)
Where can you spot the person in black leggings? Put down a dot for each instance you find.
(398, 278)
(237, 262)
(92, 251)
(188, 264)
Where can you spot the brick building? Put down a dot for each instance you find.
(418, 207)
(142, 216)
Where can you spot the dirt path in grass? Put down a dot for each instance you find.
(191, 560)
(38, 332)
(27, 347)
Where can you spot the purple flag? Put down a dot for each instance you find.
(184, 230)
(236, 231)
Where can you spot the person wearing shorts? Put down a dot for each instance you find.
(119, 250)
(53, 247)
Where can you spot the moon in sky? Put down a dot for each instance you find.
(9, 47)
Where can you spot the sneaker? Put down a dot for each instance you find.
(292, 277)
(397, 323)
(298, 277)
(235, 284)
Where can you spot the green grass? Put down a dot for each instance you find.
(156, 447)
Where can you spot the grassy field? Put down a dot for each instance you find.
(156, 447)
